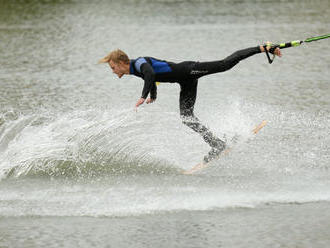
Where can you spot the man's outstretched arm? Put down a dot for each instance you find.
(153, 93)
(149, 84)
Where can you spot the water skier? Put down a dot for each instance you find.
(186, 74)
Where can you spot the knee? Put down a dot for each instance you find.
(186, 119)
(186, 113)
(190, 121)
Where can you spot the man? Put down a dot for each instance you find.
(186, 74)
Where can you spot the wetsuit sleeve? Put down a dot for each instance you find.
(153, 91)
(149, 79)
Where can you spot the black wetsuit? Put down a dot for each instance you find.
(186, 74)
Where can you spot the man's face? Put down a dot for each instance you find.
(118, 68)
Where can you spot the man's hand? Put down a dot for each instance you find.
(139, 102)
(277, 51)
(150, 100)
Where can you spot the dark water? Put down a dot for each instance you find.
(305, 226)
(79, 166)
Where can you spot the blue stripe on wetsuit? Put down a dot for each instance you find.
(158, 66)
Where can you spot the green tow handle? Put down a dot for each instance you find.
(294, 43)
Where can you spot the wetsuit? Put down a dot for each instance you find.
(186, 74)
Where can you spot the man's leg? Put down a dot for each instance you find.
(205, 68)
(187, 101)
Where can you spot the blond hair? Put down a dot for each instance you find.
(116, 56)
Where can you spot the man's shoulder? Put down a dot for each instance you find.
(138, 62)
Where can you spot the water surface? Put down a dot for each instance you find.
(75, 157)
